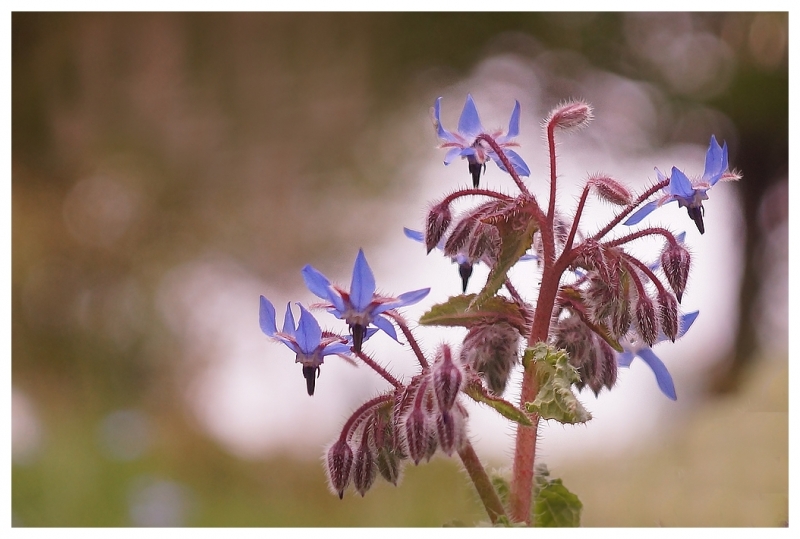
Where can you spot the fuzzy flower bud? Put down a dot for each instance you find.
(363, 466)
(439, 218)
(675, 262)
(572, 115)
(492, 350)
(484, 242)
(668, 311)
(459, 237)
(447, 378)
(339, 461)
(451, 430)
(388, 464)
(646, 320)
(610, 190)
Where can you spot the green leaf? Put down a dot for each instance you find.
(503, 407)
(516, 228)
(555, 399)
(554, 505)
(458, 311)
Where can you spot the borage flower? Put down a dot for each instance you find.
(306, 340)
(361, 306)
(636, 347)
(465, 145)
(691, 194)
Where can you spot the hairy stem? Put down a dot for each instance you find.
(506, 163)
(377, 368)
(483, 484)
(632, 206)
(401, 322)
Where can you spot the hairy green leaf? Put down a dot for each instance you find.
(503, 407)
(459, 311)
(555, 399)
(554, 505)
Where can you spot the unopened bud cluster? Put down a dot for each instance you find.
(412, 423)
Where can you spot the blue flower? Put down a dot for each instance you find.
(689, 194)
(633, 348)
(361, 306)
(306, 340)
(464, 143)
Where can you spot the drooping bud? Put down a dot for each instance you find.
(675, 262)
(601, 297)
(610, 190)
(447, 378)
(571, 115)
(415, 427)
(364, 465)
(484, 242)
(450, 429)
(431, 413)
(668, 311)
(459, 236)
(492, 350)
(621, 317)
(339, 462)
(646, 320)
(439, 218)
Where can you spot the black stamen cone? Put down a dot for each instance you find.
(465, 270)
(358, 331)
(475, 170)
(310, 374)
(697, 216)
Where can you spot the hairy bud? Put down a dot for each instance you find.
(388, 463)
(451, 430)
(447, 378)
(414, 429)
(339, 462)
(646, 320)
(492, 350)
(675, 262)
(439, 218)
(484, 242)
(572, 115)
(611, 190)
(363, 466)
(459, 236)
(668, 314)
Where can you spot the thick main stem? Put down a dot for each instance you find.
(525, 450)
(482, 482)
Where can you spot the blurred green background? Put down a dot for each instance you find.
(256, 143)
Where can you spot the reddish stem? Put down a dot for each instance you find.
(506, 163)
(377, 368)
(401, 322)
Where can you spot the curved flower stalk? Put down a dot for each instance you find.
(306, 340)
(691, 194)
(465, 144)
(360, 306)
(637, 348)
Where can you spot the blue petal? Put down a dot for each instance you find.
(409, 298)
(641, 213)
(513, 123)
(414, 235)
(309, 333)
(679, 185)
(362, 287)
(288, 321)
(451, 155)
(624, 359)
(686, 322)
(716, 161)
(266, 317)
(441, 132)
(335, 348)
(469, 124)
(386, 326)
(316, 282)
(517, 162)
(663, 376)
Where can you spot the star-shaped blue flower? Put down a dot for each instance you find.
(689, 194)
(361, 306)
(464, 144)
(306, 340)
(634, 348)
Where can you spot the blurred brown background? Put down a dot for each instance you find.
(155, 156)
